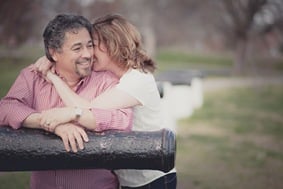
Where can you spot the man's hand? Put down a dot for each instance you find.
(72, 135)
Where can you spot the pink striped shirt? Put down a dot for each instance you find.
(30, 94)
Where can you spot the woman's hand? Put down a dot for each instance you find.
(73, 136)
(51, 118)
(42, 66)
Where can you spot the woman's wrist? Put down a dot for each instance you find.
(78, 113)
(51, 76)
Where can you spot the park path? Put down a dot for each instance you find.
(214, 84)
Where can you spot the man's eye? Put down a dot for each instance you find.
(76, 49)
(90, 46)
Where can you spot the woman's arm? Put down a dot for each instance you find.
(68, 96)
(114, 99)
(110, 99)
(44, 67)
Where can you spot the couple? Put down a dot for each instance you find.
(63, 95)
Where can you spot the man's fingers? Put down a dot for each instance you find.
(84, 135)
(72, 142)
(73, 137)
(79, 140)
(66, 142)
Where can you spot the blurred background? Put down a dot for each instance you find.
(233, 137)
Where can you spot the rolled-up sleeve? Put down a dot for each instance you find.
(13, 112)
(120, 119)
(16, 106)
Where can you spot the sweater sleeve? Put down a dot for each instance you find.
(120, 119)
(114, 119)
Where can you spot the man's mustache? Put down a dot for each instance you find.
(83, 60)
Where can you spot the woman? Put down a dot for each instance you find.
(117, 48)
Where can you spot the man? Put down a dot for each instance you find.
(68, 43)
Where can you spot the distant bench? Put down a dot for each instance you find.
(181, 91)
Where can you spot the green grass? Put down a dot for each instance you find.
(237, 109)
(234, 141)
(14, 180)
(12, 60)
(180, 60)
(9, 69)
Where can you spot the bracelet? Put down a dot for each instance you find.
(78, 113)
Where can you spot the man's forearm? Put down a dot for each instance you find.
(32, 121)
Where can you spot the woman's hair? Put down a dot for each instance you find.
(123, 42)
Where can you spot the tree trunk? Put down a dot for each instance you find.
(240, 55)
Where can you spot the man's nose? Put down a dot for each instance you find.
(87, 53)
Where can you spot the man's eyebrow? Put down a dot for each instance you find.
(80, 44)
(76, 45)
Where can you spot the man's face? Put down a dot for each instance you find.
(74, 59)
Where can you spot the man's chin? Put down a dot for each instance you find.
(85, 72)
(96, 69)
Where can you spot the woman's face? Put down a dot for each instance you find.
(101, 59)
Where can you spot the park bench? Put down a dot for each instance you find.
(181, 91)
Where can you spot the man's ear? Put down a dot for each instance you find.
(53, 54)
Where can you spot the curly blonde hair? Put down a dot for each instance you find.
(123, 42)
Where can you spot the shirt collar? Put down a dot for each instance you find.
(82, 82)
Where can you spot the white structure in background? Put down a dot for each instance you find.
(169, 120)
(197, 92)
(182, 93)
(179, 100)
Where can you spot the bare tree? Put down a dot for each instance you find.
(239, 21)
(17, 18)
(273, 25)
